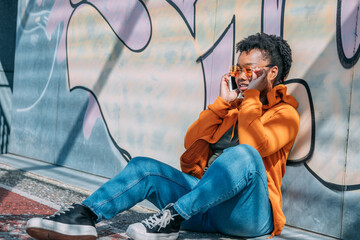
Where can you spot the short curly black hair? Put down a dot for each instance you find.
(274, 48)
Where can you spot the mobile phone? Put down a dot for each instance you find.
(232, 83)
(234, 72)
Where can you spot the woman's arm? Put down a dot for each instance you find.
(270, 136)
(208, 121)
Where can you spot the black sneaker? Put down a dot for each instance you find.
(75, 222)
(162, 225)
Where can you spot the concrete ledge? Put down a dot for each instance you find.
(65, 175)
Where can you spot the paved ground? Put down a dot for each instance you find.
(24, 195)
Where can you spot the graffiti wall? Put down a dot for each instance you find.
(98, 82)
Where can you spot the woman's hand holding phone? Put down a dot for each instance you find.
(225, 92)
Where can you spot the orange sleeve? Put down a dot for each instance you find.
(208, 121)
(270, 136)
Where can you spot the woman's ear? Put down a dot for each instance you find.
(273, 74)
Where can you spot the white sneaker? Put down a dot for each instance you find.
(164, 225)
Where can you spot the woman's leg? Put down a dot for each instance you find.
(143, 178)
(232, 198)
(233, 194)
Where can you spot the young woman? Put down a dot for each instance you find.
(232, 168)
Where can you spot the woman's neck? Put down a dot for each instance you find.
(263, 98)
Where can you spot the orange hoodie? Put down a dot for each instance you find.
(271, 129)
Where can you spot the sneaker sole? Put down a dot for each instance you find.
(151, 236)
(43, 234)
(46, 229)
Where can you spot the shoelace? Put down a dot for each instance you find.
(62, 210)
(162, 222)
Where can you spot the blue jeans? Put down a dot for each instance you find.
(232, 197)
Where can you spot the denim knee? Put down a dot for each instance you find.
(139, 161)
(147, 166)
(242, 156)
(143, 162)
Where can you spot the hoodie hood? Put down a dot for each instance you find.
(278, 94)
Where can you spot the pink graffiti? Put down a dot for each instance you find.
(129, 19)
(221, 58)
(350, 27)
(272, 16)
(187, 10)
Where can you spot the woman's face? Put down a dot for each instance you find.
(250, 63)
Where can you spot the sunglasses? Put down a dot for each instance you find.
(235, 70)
